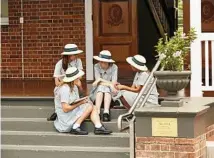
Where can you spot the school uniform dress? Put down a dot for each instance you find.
(110, 74)
(65, 121)
(59, 71)
(139, 80)
(76, 63)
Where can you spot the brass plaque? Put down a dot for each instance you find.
(165, 127)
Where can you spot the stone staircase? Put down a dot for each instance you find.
(27, 134)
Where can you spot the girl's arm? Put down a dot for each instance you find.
(96, 73)
(66, 107)
(57, 73)
(57, 81)
(133, 88)
(115, 74)
(103, 82)
(79, 61)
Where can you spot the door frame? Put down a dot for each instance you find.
(89, 39)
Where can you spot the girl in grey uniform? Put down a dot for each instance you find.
(106, 70)
(71, 112)
(69, 59)
(130, 93)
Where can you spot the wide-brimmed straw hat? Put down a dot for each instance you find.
(71, 49)
(104, 56)
(138, 61)
(72, 73)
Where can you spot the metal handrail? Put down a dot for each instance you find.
(137, 102)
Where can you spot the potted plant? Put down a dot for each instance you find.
(173, 52)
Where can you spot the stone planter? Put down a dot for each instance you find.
(172, 82)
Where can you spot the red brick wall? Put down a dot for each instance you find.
(48, 26)
(164, 147)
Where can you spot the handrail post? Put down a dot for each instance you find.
(132, 137)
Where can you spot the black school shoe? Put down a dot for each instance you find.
(78, 131)
(102, 131)
(53, 117)
(106, 117)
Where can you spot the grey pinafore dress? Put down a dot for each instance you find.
(110, 74)
(65, 121)
(140, 79)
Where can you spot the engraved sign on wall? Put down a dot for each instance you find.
(165, 127)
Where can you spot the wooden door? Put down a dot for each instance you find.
(115, 29)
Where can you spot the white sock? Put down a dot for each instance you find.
(76, 125)
(106, 111)
(98, 125)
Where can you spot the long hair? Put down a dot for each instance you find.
(65, 60)
(70, 84)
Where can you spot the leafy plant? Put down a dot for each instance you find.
(174, 50)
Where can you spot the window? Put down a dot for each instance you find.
(4, 12)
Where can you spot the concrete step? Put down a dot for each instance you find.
(62, 139)
(9, 111)
(210, 149)
(41, 124)
(27, 102)
(32, 151)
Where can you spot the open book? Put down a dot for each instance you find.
(105, 83)
(80, 99)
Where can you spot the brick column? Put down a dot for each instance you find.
(193, 132)
(157, 147)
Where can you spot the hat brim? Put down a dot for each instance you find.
(70, 79)
(72, 53)
(104, 60)
(132, 63)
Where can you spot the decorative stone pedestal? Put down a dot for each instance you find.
(175, 132)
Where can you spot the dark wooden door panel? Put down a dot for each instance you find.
(115, 29)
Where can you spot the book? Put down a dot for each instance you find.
(79, 100)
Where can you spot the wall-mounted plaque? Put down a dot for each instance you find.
(165, 127)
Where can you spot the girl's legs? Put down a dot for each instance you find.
(99, 128)
(85, 114)
(98, 101)
(95, 118)
(79, 121)
(107, 102)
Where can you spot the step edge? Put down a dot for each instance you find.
(26, 98)
(45, 133)
(19, 119)
(63, 148)
(209, 143)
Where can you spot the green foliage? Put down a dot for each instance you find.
(174, 50)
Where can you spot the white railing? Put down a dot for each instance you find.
(208, 62)
(198, 63)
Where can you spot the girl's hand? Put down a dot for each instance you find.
(58, 83)
(114, 90)
(95, 83)
(120, 87)
(84, 101)
(115, 85)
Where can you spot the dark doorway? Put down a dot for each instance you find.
(148, 33)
